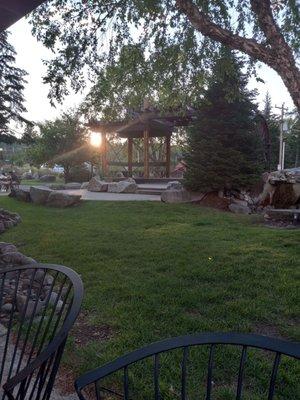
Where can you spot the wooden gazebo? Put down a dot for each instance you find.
(144, 125)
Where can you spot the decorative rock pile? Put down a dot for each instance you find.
(127, 186)
(45, 196)
(11, 257)
(240, 202)
(8, 219)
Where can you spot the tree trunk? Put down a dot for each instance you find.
(276, 53)
(66, 173)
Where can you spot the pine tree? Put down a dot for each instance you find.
(267, 113)
(274, 131)
(224, 150)
(11, 88)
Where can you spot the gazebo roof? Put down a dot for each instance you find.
(158, 124)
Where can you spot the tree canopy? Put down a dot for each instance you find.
(62, 141)
(12, 81)
(161, 49)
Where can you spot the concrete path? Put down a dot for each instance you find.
(104, 196)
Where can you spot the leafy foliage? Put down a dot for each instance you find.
(12, 81)
(62, 141)
(135, 49)
(224, 150)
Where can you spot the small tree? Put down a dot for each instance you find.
(62, 141)
(11, 89)
(224, 150)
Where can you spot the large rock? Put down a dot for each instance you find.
(112, 187)
(39, 195)
(174, 185)
(239, 208)
(20, 194)
(57, 199)
(84, 185)
(95, 185)
(122, 187)
(175, 196)
(15, 258)
(281, 189)
(48, 178)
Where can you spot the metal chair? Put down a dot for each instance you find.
(231, 364)
(38, 306)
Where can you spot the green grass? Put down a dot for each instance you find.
(153, 271)
(37, 182)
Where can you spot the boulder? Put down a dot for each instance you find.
(175, 196)
(15, 258)
(84, 185)
(48, 178)
(240, 202)
(176, 185)
(58, 199)
(20, 194)
(7, 248)
(122, 187)
(95, 185)
(73, 185)
(112, 187)
(130, 179)
(128, 186)
(239, 208)
(39, 195)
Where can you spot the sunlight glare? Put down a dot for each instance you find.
(95, 139)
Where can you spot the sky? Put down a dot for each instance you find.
(30, 54)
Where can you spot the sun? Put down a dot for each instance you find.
(95, 139)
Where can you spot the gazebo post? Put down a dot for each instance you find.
(130, 150)
(168, 155)
(104, 155)
(146, 153)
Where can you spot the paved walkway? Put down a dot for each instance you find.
(104, 196)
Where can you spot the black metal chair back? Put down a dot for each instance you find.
(205, 366)
(38, 306)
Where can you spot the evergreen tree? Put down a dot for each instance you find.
(11, 88)
(224, 150)
(274, 131)
(267, 106)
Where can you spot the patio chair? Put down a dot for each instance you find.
(38, 306)
(231, 365)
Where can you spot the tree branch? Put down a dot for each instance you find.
(208, 28)
(266, 22)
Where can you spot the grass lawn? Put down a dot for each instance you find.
(153, 271)
(37, 182)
